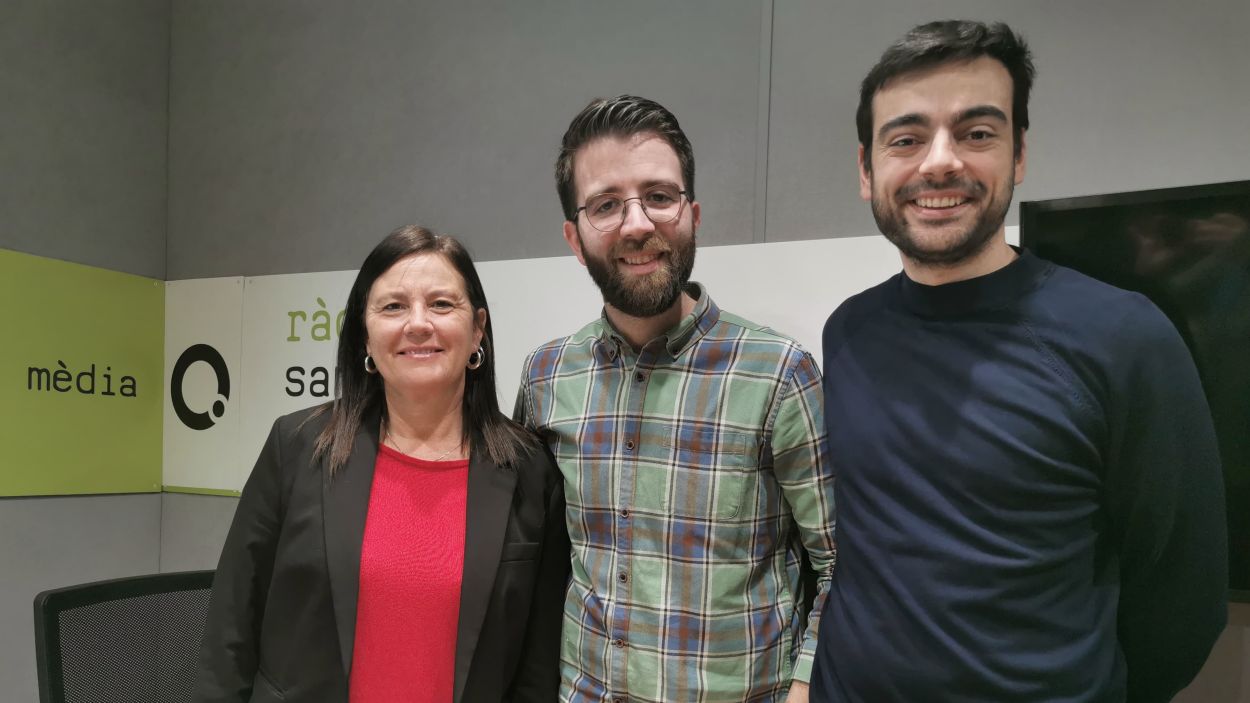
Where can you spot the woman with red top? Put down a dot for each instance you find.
(405, 542)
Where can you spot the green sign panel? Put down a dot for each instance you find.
(81, 379)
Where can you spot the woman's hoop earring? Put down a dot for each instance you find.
(476, 358)
(370, 367)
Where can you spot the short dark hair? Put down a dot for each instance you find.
(360, 394)
(622, 116)
(941, 42)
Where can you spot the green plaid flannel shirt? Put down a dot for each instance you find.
(696, 473)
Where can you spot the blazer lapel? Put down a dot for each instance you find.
(345, 503)
(488, 504)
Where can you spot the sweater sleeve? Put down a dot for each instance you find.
(229, 656)
(1165, 495)
(800, 451)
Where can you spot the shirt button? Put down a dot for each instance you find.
(629, 445)
(624, 514)
(618, 642)
(639, 377)
(622, 577)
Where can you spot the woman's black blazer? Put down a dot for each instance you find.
(282, 622)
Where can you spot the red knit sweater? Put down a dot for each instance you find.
(410, 572)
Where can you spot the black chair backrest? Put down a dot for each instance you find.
(134, 639)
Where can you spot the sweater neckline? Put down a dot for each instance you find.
(992, 291)
(416, 462)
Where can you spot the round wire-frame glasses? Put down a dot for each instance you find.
(661, 204)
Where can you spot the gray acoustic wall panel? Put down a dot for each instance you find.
(83, 129)
(304, 131)
(193, 529)
(1129, 95)
(54, 542)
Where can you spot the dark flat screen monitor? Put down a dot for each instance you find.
(1188, 250)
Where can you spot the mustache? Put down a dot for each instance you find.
(651, 244)
(911, 191)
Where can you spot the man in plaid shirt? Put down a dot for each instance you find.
(692, 444)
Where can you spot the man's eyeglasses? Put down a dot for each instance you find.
(661, 204)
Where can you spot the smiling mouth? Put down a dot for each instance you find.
(640, 259)
(942, 203)
(420, 353)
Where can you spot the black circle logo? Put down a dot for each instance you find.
(209, 355)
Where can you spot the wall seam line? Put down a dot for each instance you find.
(760, 235)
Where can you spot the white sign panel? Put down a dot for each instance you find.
(533, 301)
(290, 335)
(202, 400)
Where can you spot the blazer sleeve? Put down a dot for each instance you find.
(229, 654)
(538, 676)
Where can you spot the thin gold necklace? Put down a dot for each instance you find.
(391, 438)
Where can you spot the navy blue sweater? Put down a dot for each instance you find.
(1030, 503)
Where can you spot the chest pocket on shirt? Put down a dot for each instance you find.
(712, 472)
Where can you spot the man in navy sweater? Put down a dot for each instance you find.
(1029, 492)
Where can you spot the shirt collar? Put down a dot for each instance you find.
(680, 337)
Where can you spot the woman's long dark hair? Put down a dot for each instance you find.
(359, 394)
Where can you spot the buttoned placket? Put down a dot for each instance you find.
(621, 358)
(635, 375)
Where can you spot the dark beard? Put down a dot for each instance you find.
(654, 294)
(893, 225)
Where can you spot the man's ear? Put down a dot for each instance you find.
(574, 241)
(865, 174)
(696, 214)
(1024, 148)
